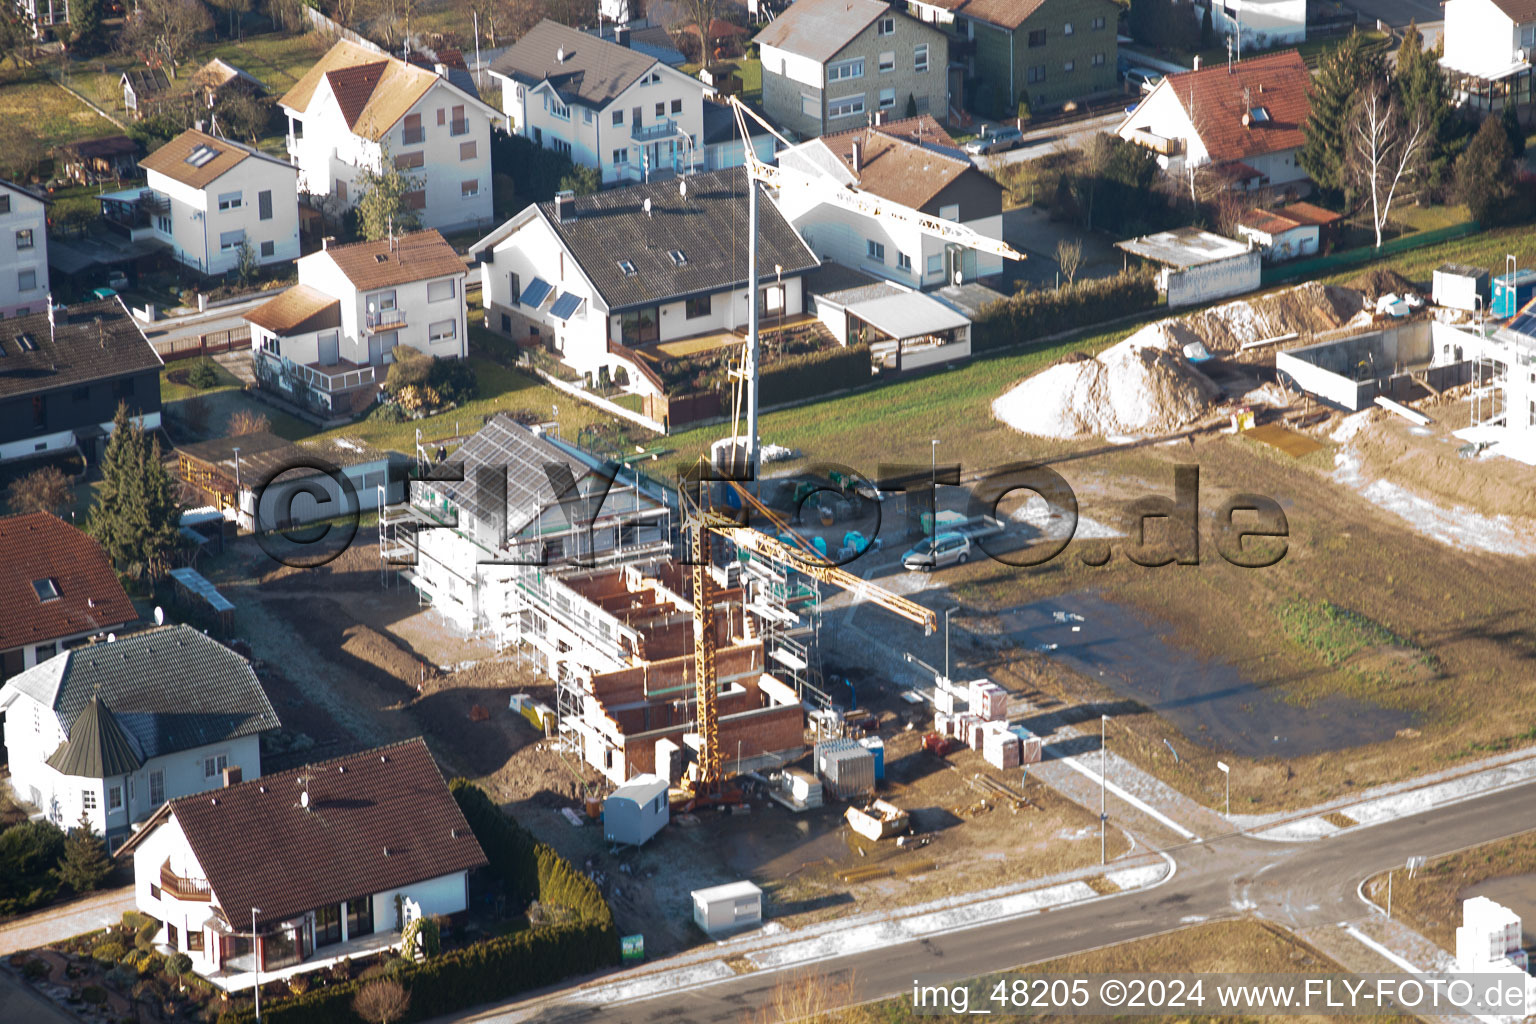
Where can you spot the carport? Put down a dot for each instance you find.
(905, 329)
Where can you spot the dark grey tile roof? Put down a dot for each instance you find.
(88, 341)
(593, 71)
(708, 226)
(171, 689)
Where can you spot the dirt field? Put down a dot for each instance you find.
(1431, 901)
(350, 663)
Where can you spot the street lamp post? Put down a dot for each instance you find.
(933, 476)
(947, 613)
(1103, 766)
(256, 966)
(1226, 770)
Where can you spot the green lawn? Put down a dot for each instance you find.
(1429, 218)
(1485, 249)
(30, 102)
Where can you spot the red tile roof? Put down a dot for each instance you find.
(353, 88)
(377, 820)
(1269, 222)
(1309, 213)
(1216, 101)
(40, 546)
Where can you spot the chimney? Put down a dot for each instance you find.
(561, 199)
(879, 118)
(858, 155)
(232, 775)
(621, 35)
(198, 125)
(1197, 62)
(325, 243)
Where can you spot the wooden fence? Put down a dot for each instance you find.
(171, 349)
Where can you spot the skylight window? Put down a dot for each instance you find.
(1259, 115)
(381, 257)
(27, 343)
(678, 257)
(627, 267)
(46, 589)
(201, 154)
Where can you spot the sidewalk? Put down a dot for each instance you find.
(60, 923)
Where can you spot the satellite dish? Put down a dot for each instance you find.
(647, 207)
(304, 799)
(959, 277)
(111, 637)
(159, 616)
(1520, 56)
(682, 188)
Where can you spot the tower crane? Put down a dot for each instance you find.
(703, 521)
(832, 191)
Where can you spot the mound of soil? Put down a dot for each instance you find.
(1381, 281)
(1143, 385)
(1306, 309)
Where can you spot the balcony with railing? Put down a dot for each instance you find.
(195, 890)
(413, 136)
(663, 129)
(377, 320)
(343, 376)
(458, 127)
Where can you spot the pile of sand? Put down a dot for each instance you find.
(1143, 385)
(1382, 281)
(1306, 309)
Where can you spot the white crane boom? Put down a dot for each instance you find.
(868, 204)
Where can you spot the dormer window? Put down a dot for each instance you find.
(627, 268)
(46, 589)
(678, 257)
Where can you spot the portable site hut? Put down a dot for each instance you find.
(636, 810)
(726, 908)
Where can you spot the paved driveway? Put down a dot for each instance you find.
(19, 1003)
(85, 915)
(1031, 230)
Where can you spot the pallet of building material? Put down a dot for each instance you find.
(669, 760)
(1031, 747)
(1001, 751)
(804, 787)
(988, 700)
(946, 701)
(866, 874)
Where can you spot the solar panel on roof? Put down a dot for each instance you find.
(1525, 324)
(565, 306)
(537, 291)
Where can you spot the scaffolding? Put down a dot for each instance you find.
(1489, 383)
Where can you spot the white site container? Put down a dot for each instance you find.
(727, 908)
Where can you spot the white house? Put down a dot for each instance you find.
(58, 588)
(326, 341)
(602, 104)
(1261, 24)
(1244, 122)
(629, 268)
(114, 729)
(357, 105)
(330, 860)
(1289, 232)
(1488, 50)
(913, 163)
(205, 196)
(23, 251)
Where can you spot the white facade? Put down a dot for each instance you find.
(534, 250)
(417, 313)
(1480, 39)
(1261, 24)
(62, 440)
(1161, 123)
(442, 141)
(655, 124)
(33, 732)
(23, 252)
(877, 247)
(1292, 243)
(256, 201)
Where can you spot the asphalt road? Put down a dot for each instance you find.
(1294, 885)
(1047, 140)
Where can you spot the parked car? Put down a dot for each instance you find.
(1144, 79)
(994, 140)
(938, 552)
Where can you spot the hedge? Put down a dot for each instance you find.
(1035, 314)
(790, 378)
(495, 968)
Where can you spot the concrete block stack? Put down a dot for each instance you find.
(988, 700)
(999, 746)
(1031, 747)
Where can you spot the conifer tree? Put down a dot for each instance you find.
(136, 517)
(1349, 69)
(84, 864)
(1422, 91)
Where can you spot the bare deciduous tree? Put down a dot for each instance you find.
(382, 1001)
(1386, 149)
(42, 490)
(1069, 257)
(167, 30)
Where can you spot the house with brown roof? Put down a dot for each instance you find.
(205, 197)
(293, 871)
(1244, 121)
(829, 65)
(114, 728)
(326, 343)
(1289, 232)
(58, 588)
(1489, 45)
(914, 163)
(358, 106)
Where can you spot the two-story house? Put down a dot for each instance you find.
(632, 267)
(205, 197)
(326, 861)
(327, 341)
(1259, 24)
(603, 104)
(115, 728)
(913, 163)
(1052, 51)
(58, 588)
(1489, 46)
(829, 65)
(357, 104)
(23, 250)
(63, 373)
(1243, 121)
